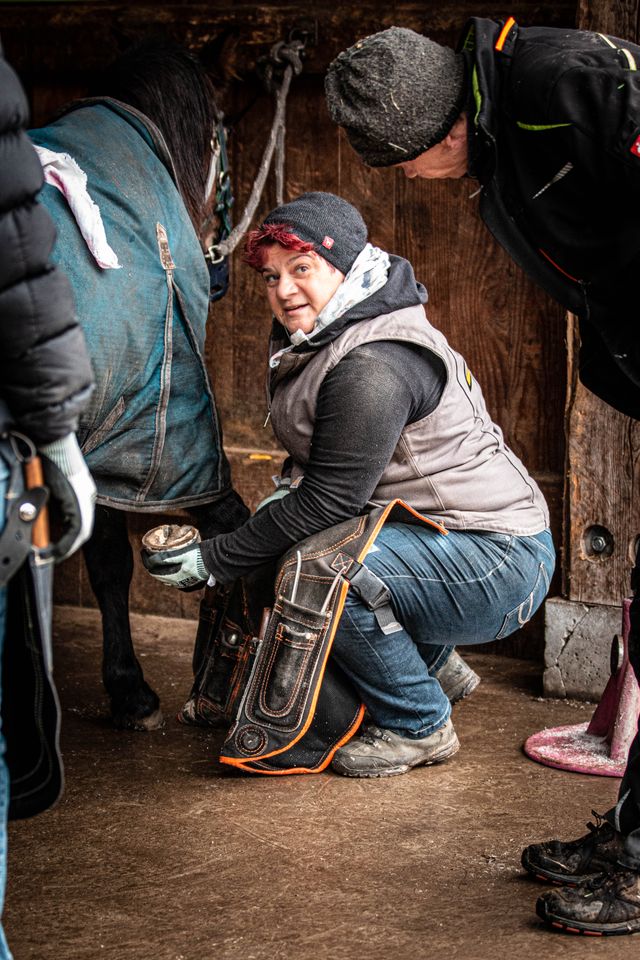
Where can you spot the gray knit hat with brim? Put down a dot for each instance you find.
(331, 224)
(396, 93)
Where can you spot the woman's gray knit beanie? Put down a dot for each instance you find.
(331, 224)
(396, 93)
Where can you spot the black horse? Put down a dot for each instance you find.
(151, 435)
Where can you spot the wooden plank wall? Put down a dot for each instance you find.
(603, 446)
(511, 333)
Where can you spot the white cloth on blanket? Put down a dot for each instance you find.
(62, 172)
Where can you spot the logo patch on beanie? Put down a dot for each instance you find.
(328, 242)
(635, 147)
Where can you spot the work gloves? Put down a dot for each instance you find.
(184, 568)
(72, 488)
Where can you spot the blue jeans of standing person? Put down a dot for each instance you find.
(446, 591)
(5, 953)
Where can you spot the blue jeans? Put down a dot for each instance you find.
(467, 587)
(5, 953)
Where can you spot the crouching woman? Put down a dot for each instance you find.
(372, 404)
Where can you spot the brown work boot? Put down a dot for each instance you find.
(456, 678)
(383, 753)
(603, 906)
(576, 861)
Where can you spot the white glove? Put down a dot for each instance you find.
(67, 457)
(283, 487)
(184, 569)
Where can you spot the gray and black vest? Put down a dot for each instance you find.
(452, 465)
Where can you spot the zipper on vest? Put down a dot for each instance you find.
(267, 390)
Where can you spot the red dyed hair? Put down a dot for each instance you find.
(257, 242)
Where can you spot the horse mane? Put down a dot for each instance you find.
(166, 83)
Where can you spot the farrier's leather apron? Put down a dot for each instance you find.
(291, 705)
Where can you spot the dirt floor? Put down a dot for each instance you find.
(156, 852)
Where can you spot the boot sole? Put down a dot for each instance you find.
(586, 929)
(393, 771)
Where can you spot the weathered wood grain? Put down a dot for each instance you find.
(603, 488)
(78, 34)
(620, 18)
(509, 331)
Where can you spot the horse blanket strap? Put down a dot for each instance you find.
(297, 707)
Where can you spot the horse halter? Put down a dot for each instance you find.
(286, 60)
(218, 185)
(213, 164)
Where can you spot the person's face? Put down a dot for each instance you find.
(299, 285)
(447, 159)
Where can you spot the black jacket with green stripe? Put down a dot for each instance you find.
(554, 120)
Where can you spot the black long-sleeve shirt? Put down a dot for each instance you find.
(363, 405)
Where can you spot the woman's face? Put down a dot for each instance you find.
(299, 285)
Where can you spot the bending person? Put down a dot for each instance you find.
(372, 404)
(548, 121)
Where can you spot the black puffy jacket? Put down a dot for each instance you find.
(555, 142)
(45, 371)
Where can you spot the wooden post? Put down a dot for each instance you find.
(602, 491)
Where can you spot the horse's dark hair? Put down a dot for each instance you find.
(167, 84)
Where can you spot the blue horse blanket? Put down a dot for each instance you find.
(150, 435)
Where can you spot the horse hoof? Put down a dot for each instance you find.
(153, 721)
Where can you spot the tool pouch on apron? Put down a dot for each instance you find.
(297, 707)
(225, 647)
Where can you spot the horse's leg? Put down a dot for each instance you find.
(109, 561)
(221, 516)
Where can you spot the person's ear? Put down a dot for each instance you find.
(457, 136)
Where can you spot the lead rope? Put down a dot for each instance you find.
(281, 53)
